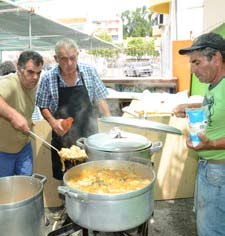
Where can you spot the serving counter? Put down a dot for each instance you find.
(175, 164)
(141, 83)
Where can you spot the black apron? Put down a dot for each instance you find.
(74, 102)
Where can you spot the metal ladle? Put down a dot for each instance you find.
(43, 140)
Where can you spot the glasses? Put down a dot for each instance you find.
(66, 59)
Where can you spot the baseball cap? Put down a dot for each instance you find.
(211, 40)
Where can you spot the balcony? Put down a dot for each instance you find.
(160, 6)
(156, 31)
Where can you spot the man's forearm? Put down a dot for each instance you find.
(48, 116)
(103, 108)
(17, 120)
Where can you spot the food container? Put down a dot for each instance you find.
(21, 206)
(118, 144)
(110, 212)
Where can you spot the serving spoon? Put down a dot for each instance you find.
(43, 140)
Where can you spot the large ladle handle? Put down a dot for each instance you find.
(44, 141)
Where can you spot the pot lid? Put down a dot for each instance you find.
(140, 123)
(117, 141)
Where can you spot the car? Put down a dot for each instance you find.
(138, 69)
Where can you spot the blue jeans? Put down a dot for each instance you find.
(210, 199)
(20, 163)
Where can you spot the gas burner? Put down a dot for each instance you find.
(71, 228)
(66, 230)
(67, 227)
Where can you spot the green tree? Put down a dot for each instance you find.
(104, 52)
(137, 23)
(139, 47)
(104, 36)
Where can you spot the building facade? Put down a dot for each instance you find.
(182, 21)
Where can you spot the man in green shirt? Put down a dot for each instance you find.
(207, 58)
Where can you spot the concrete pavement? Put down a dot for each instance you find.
(173, 218)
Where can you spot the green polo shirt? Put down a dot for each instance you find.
(215, 102)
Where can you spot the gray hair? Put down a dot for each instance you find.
(65, 43)
(7, 67)
(210, 52)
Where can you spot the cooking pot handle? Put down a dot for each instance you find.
(67, 191)
(141, 160)
(63, 190)
(42, 178)
(80, 142)
(156, 146)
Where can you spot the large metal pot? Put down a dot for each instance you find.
(117, 144)
(109, 212)
(21, 205)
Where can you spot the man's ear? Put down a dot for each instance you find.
(56, 58)
(19, 70)
(218, 57)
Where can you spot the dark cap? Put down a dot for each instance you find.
(210, 40)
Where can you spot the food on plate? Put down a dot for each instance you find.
(67, 123)
(73, 154)
(108, 181)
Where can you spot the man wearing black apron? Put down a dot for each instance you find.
(70, 89)
(74, 102)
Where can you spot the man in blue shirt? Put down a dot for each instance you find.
(70, 89)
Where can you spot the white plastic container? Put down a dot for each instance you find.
(197, 121)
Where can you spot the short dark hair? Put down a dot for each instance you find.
(30, 55)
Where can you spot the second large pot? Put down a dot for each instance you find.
(118, 144)
(110, 212)
(21, 205)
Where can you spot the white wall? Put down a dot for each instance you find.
(214, 14)
(189, 18)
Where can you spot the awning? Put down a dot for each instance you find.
(160, 6)
(22, 29)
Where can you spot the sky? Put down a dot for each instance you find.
(89, 8)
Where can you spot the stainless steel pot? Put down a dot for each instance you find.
(110, 212)
(117, 144)
(21, 205)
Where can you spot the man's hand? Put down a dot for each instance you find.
(58, 125)
(19, 122)
(179, 111)
(67, 124)
(62, 126)
(204, 144)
